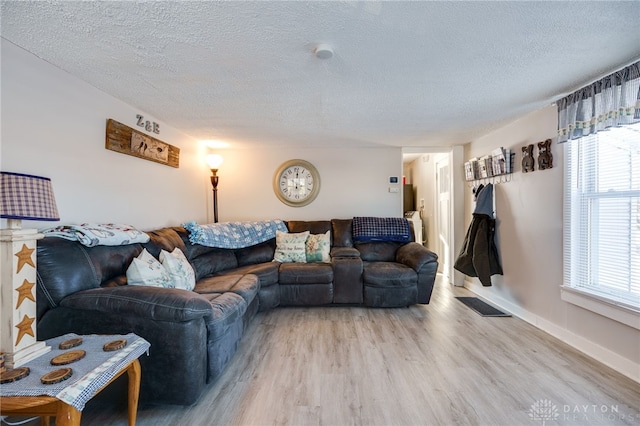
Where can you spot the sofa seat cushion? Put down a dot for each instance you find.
(389, 285)
(266, 272)
(228, 308)
(246, 286)
(388, 274)
(306, 273)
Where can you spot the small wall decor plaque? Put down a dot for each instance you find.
(545, 158)
(528, 163)
(124, 139)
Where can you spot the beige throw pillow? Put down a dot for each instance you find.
(146, 270)
(318, 247)
(179, 269)
(290, 247)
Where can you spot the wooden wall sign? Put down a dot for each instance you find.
(124, 139)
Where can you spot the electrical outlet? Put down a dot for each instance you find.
(394, 189)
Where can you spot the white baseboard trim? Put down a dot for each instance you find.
(611, 359)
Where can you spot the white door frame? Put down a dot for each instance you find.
(442, 217)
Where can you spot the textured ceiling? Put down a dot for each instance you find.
(403, 73)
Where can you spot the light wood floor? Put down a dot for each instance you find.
(436, 364)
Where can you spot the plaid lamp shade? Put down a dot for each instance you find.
(27, 197)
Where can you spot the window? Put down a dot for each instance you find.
(602, 218)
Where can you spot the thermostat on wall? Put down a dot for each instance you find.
(393, 179)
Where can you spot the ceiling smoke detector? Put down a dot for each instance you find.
(323, 51)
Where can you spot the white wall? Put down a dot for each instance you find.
(54, 125)
(529, 234)
(354, 182)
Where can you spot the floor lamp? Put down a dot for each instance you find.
(22, 197)
(214, 161)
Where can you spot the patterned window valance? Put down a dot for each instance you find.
(611, 101)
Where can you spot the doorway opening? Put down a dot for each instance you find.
(432, 198)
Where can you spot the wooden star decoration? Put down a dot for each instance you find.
(25, 327)
(24, 257)
(25, 291)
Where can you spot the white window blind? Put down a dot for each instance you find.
(602, 215)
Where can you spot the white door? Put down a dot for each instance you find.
(443, 214)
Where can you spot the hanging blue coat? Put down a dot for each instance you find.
(479, 255)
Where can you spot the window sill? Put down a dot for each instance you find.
(601, 305)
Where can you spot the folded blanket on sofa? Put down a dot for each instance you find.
(93, 234)
(381, 229)
(234, 235)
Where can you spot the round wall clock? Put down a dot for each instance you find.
(296, 183)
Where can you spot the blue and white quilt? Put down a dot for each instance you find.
(234, 235)
(395, 229)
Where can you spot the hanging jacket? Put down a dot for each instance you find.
(479, 255)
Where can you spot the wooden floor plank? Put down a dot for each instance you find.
(435, 364)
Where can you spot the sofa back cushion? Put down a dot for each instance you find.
(260, 253)
(165, 239)
(65, 267)
(313, 226)
(206, 260)
(212, 260)
(378, 251)
(341, 233)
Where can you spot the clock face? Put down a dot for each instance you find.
(296, 183)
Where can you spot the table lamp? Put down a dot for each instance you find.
(22, 197)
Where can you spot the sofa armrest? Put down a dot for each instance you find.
(415, 256)
(344, 252)
(162, 304)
